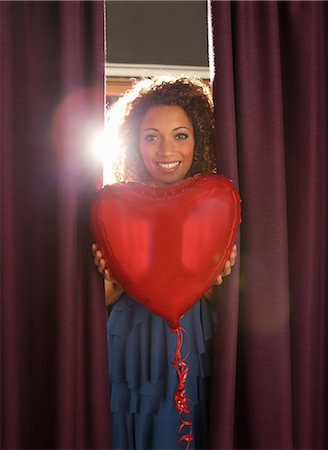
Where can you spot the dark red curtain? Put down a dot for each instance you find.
(270, 389)
(53, 344)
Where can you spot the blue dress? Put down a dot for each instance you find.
(143, 381)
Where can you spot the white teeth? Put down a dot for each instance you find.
(169, 165)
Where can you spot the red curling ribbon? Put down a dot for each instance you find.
(182, 402)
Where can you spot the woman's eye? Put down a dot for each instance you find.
(151, 137)
(181, 136)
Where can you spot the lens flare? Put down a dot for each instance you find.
(98, 146)
(77, 116)
(106, 148)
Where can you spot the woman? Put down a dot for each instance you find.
(166, 130)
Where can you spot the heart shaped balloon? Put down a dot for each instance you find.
(166, 246)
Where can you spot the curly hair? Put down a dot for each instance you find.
(191, 94)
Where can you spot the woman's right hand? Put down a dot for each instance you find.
(100, 263)
(113, 290)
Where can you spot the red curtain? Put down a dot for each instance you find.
(53, 343)
(270, 388)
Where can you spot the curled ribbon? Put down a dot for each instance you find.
(182, 402)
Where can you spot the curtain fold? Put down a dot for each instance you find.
(270, 88)
(53, 357)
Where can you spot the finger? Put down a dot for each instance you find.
(98, 254)
(97, 257)
(219, 280)
(233, 255)
(226, 272)
(107, 276)
(96, 261)
(94, 249)
(227, 269)
(101, 265)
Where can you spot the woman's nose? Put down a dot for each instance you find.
(166, 148)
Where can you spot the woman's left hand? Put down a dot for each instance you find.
(227, 268)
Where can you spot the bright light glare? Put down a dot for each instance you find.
(105, 148)
(98, 146)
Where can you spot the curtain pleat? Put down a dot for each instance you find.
(270, 88)
(53, 357)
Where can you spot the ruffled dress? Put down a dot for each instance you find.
(143, 380)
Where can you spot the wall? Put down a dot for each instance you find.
(157, 32)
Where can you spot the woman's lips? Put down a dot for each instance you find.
(168, 166)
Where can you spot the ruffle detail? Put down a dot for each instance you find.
(141, 350)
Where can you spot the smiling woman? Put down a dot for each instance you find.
(164, 128)
(115, 152)
(191, 101)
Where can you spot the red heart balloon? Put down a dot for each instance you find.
(166, 246)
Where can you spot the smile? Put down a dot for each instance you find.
(170, 166)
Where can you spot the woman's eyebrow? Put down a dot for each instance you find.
(147, 129)
(182, 126)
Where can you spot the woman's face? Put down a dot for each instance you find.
(166, 144)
